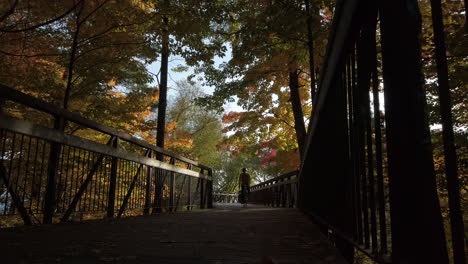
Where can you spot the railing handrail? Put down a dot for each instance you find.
(226, 194)
(30, 101)
(281, 177)
(337, 41)
(51, 135)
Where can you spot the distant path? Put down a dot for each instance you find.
(227, 234)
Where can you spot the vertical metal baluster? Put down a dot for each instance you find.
(360, 95)
(358, 196)
(89, 191)
(196, 189)
(171, 187)
(80, 178)
(4, 138)
(10, 168)
(146, 210)
(128, 175)
(40, 198)
(60, 178)
(370, 174)
(50, 201)
(101, 191)
(351, 145)
(202, 191)
(66, 184)
(378, 157)
(26, 174)
(79, 173)
(210, 189)
(123, 169)
(92, 190)
(157, 190)
(75, 172)
(457, 228)
(83, 201)
(34, 191)
(18, 170)
(189, 190)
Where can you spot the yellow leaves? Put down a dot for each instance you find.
(171, 126)
(181, 143)
(116, 94)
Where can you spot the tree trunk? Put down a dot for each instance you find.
(310, 46)
(71, 63)
(162, 105)
(299, 125)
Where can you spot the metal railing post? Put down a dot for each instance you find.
(52, 173)
(146, 210)
(189, 190)
(202, 191)
(113, 182)
(171, 188)
(210, 189)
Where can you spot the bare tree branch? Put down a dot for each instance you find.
(30, 56)
(10, 11)
(41, 24)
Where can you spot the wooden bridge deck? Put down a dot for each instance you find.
(227, 234)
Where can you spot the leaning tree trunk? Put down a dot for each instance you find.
(299, 125)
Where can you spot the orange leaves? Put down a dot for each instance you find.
(231, 117)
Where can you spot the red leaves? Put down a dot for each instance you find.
(267, 158)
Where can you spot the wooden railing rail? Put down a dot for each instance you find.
(49, 174)
(225, 197)
(280, 191)
(11, 94)
(367, 173)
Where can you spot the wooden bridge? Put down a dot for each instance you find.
(366, 183)
(225, 234)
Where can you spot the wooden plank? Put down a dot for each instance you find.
(27, 128)
(30, 101)
(228, 234)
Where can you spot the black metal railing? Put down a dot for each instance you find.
(48, 175)
(368, 176)
(280, 191)
(225, 197)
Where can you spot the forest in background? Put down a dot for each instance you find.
(91, 57)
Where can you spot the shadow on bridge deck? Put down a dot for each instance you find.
(226, 234)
